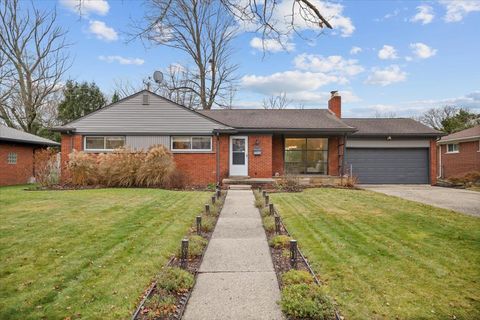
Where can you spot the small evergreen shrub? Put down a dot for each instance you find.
(302, 301)
(296, 277)
(175, 280)
(280, 241)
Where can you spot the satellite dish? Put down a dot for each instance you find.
(158, 76)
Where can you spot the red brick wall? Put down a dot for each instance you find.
(22, 171)
(278, 148)
(333, 156)
(458, 164)
(260, 166)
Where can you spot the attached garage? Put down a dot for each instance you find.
(389, 165)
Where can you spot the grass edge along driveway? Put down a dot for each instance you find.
(86, 253)
(384, 257)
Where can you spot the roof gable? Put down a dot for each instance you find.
(130, 115)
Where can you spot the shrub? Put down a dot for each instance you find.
(82, 168)
(296, 277)
(208, 223)
(259, 202)
(156, 169)
(280, 241)
(47, 167)
(302, 301)
(175, 280)
(265, 212)
(176, 180)
(289, 184)
(469, 179)
(196, 245)
(269, 223)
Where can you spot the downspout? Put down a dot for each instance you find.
(218, 159)
(344, 152)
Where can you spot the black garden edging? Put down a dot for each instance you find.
(281, 229)
(193, 265)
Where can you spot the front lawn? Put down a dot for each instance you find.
(387, 258)
(86, 253)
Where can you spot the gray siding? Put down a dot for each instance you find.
(396, 165)
(384, 143)
(160, 116)
(140, 143)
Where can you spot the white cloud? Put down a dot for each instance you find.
(458, 9)
(102, 31)
(387, 53)
(424, 14)
(355, 50)
(332, 64)
(122, 60)
(85, 7)
(386, 76)
(271, 45)
(422, 51)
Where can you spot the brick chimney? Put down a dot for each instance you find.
(335, 103)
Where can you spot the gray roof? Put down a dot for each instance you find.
(285, 119)
(390, 127)
(14, 135)
(467, 134)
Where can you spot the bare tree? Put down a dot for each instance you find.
(202, 29)
(34, 50)
(277, 102)
(435, 117)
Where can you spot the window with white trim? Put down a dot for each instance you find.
(452, 148)
(12, 158)
(191, 143)
(104, 143)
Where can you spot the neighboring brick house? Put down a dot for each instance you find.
(212, 145)
(459, 153)
(17, 150)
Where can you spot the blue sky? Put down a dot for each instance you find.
(385, 57)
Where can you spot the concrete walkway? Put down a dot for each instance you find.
(236, 279)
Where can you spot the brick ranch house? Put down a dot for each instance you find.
(17, 151)
(210, 146)
(459, 153)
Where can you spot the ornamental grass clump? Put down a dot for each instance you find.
(269, 223)
(296, 277)
(120, 168)
(82, 168)
(156, 168)
(174, 279)
(280, 241)
(47, 168)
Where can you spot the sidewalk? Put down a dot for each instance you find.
(236, 279)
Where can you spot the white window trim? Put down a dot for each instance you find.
(190, 150)
(104, 143)
(458, 148)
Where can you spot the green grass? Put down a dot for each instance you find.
(86, 253)
(384, 257)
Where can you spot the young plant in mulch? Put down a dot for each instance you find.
(301, 296)
(172, 286)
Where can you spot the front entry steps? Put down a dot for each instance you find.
(244, 182)
(240, 187)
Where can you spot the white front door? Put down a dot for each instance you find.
(238, 156)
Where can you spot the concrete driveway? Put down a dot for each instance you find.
(459, 200)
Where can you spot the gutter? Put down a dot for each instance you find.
(50, 144)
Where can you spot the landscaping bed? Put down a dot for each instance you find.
(167, 296)
(301, 291)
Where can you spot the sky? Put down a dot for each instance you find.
(386, 58)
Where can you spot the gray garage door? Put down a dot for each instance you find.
(400, 165)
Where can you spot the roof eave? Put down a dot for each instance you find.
(465, 139)
(63, 129)
(50, 144)
(412, 135)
